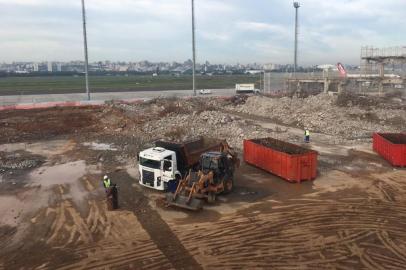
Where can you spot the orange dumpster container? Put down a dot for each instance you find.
(288, 161)
(392, 147)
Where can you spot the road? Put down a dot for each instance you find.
(20, 99)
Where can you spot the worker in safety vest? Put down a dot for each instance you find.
(111, 193)
(106, 182)
(307, 136)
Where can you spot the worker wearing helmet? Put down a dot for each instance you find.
(106, 182)
(111, 193)
(307, 135)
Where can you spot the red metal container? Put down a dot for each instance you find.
(392, 147)
(291, 162)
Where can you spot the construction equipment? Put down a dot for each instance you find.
(163, 166)
(216, 175)
(247, 88)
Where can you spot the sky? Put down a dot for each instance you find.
(227, 31)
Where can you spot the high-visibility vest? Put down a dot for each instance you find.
(307, 133)
(107, 183)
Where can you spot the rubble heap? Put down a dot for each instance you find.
(321, 114)
(18, 162)
(212, 124)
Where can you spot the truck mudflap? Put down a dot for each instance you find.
(184, 202)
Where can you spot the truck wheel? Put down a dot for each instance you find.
(211, 197)
(228, 186)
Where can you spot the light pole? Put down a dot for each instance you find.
(194, 48)
(85, 48)
(296, 5)
(260, 81)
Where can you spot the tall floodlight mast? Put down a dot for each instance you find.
(85, 48)
(296, 5)
(194, 48)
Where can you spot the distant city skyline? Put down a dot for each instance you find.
(202, 62)
(228, 31)
(152, 68)
(139, 66)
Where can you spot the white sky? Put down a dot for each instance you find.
(228, 31)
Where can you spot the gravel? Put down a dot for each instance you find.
(344, 121)
(213, 124)
(321, 114)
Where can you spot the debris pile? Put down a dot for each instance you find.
(321, 113)
(17, 161)
(212, 124)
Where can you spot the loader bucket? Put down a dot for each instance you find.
(182, 202)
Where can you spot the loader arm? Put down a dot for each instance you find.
(225, 148)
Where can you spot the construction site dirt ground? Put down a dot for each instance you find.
(53, 212)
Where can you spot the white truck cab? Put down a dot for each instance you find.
(157, 167)
(163, 166)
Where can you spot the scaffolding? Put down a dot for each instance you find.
(374, 60)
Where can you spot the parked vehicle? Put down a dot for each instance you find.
(248, 88)
(163, 166)
(215, 176)
(205, 92)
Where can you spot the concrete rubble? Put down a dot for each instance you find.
(346, 121)
(321, 114)
(17, 162)
(212, 124)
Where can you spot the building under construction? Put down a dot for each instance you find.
(381, 69)
(379, 61)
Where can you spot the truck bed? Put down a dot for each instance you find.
(189, 152)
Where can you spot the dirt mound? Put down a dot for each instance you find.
(395, 138)
(211, 124)
(16, 126)
(281, 146)
(391, 100)
(340, 116)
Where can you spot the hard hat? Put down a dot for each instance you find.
(105, 177)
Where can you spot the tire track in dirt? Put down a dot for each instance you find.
(310, 234)
(397, 250)
(136, 236)
(141, 254)
(388, 186)
(69, 223)
(159, 231)
(386, 190)
(98, 240)
(334, 233)
(6, 236)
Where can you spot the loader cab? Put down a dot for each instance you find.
(218, 163)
